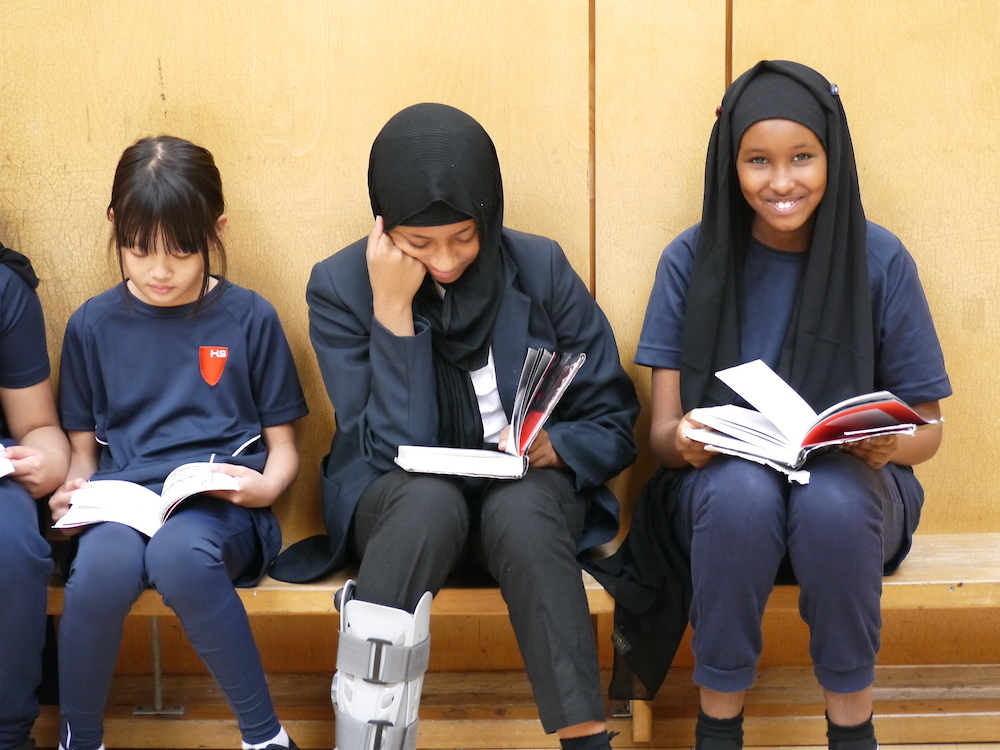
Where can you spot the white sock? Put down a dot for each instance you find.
(281, 738)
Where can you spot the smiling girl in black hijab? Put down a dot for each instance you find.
(420, 331)
(783, 267)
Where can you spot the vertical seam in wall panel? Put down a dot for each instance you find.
(592, 166)
(729, 43)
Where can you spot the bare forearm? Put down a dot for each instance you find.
(922, 444)
(918, 447)
(282, 467)
(83, 456)
(397, 318)
(663, 442)
(261, 489)
(669, 422)
(50, 441)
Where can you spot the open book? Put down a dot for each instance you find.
(6, 467)
(544, 379)
(785, 429)
(139, 507)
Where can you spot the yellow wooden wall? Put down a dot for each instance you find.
(921, 86)
(660, 71)
(288, 94)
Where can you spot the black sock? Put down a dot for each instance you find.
(599, 741)
(861, 737)
(718, 734)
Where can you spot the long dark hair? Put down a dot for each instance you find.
(169, 188)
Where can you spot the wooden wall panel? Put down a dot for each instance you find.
(660, 73)
(288, 95)
(921, 86)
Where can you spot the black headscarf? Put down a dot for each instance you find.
(434, 163)
(828, 353)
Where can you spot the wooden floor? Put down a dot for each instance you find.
(915, 706)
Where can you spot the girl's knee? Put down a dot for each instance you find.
(737, 499)
(543, 505)
(177, 562)
(109, 554)
(429, 503)
(843, 493)
(105, 578)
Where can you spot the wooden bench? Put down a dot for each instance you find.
(943, 576)
(466, 709)
(914, 704)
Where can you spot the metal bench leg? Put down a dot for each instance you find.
(157, 709)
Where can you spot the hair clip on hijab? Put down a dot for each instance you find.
(718, 111)
(834, 89)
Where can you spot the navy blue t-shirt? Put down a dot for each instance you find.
(24, 358)
(163, 386)
(908, 357)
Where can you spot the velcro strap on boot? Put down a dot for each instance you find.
(378, 661)
(353, 734)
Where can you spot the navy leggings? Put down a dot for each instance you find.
(25, 566)
(191, 562)
(742, 519)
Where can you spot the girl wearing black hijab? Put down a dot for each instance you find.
(784, 267)
(420, 331)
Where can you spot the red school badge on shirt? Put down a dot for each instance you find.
(212, 360)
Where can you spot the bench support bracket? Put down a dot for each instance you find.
(157, 709)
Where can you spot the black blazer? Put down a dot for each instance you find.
(383, 390)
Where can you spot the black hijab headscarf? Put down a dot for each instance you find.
(433, 165)
(828, 353)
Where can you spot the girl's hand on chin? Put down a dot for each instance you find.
(395, 276)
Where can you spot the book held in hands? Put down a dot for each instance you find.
(137, 506)
(785, 430)
(544, 379)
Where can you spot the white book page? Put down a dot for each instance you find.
(717, 440)
(745, 424)
(464, 462)
(536, 363)
(190, 479)
(765, 391)
(6, 467)
(114, 500)
(801, 476)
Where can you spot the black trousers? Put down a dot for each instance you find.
(411, 530)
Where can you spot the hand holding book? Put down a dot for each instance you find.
(874, 451)
(544, 379)
(541, 453)
(786, 430)
(136, 506)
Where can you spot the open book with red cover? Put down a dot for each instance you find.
(544, 379)
(785, 430)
